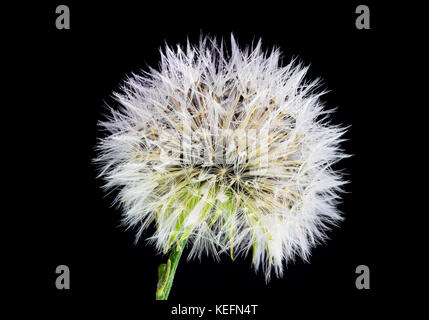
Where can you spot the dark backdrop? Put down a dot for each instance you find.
(78, 69)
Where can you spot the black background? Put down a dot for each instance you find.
(78, 69)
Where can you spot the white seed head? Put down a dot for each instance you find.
(227, 148)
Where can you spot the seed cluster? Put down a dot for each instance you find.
(230, 151)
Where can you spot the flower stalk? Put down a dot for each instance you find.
(166, 271)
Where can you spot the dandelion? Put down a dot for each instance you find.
(225, 151)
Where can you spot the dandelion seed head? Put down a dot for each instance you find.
(228, 148)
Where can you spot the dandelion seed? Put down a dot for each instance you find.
(278, 205)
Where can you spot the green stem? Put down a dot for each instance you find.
(167, 270)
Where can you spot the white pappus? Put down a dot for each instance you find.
(228, 149)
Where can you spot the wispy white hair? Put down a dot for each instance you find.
(226, 148)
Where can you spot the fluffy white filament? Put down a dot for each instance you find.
(226, 148)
